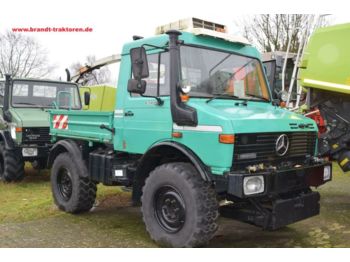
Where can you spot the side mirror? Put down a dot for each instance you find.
(283, 96)
(86, 98)
(185, 87)
(139, 63)
(137, 86)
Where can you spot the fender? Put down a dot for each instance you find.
(5, 137)
(152, 158)
(194, 159)
(67, 145)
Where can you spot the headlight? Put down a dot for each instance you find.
(327, 173)
(253, 185)
(13, 132)
(28, 151)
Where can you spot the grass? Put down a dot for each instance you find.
(31, 199)
(28, 218)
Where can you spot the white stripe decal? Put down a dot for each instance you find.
(327, 84)
(119, 113)
(60, 122)
(198, 128)
(55, 118)
(63, 121)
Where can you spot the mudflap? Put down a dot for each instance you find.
(279, 213)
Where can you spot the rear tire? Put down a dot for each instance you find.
(179, 208)
(11, 165)
(72, 191)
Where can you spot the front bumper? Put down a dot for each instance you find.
(287, 197)
(42, 152)
(281, 212)
(279, 181)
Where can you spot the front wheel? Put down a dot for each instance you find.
(179, 208)
(71, 190)
(11, 165)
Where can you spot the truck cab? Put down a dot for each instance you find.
(194, 124)
(24, 121)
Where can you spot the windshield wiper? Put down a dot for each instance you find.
(260, 97)
(25, 103)
(223, 96)
(31, 104)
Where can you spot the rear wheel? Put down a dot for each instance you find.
(72, 191)
(11, 165)
(179, 208)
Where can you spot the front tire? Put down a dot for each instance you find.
(179, 208)
(71, 190)
(11, 165)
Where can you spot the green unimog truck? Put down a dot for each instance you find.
(24, 121)
(202, 137)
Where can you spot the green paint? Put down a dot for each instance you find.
(326, 59)
(102, 97)
(152, 123)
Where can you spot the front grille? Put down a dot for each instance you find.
(36, 135)
(301, 144)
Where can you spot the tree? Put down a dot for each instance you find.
(98, 76)
(23, 57)
(271, 32)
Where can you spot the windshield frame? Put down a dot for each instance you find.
(44, 81)
(238, 54)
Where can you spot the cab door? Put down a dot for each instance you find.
(145, 121)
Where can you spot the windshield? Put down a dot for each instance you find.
(44, 94)
(213, 73)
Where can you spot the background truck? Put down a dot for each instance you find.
(24, 122)
(274, 63)
(325, 74)
(193, 132)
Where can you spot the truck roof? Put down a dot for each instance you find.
(197, 39)
(268, 56)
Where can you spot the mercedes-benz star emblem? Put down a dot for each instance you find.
(282, 145)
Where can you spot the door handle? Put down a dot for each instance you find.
(129, 113)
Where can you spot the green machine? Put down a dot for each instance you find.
(24, 121)
(102, 97)
(193, 126)
(325, 72)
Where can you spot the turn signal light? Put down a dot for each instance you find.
(226, 139)
(177, 134)
(184, 98)
(18, 129)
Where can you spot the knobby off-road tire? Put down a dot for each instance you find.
(179, 208)
(11, 165)
(72, 192)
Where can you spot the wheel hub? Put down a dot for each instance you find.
(170, 209)
(64, 183)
